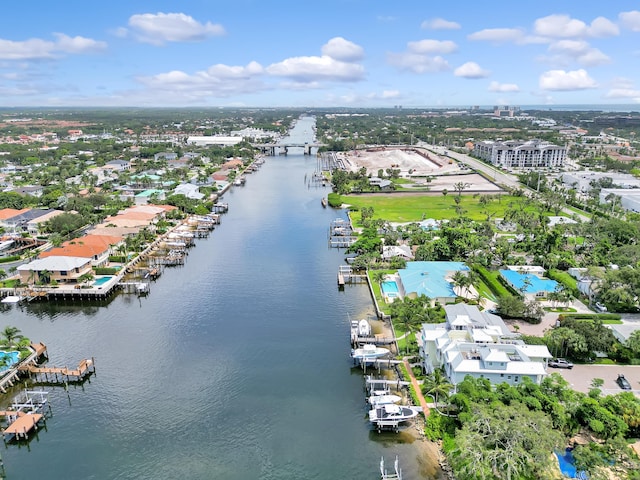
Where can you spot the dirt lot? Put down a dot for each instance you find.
(443, 172)
(422, 163)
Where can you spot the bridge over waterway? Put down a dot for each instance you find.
(283, 148)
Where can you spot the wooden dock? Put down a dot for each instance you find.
(60, 374)
(22, 425)
(25, 414)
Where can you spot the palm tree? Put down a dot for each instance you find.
(10, 335)
(461, 280)
(437, 384)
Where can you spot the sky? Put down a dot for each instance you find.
(330, 53)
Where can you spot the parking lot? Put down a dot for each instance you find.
(581, 376)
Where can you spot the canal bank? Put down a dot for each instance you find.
(241, 353)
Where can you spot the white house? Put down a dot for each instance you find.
(479, 344)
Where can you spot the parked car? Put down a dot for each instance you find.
(560, 363)
(600, 307)
(623, 382)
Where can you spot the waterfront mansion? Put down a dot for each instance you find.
(478, 343)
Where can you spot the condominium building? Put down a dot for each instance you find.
(520, 154)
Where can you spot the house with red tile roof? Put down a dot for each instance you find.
(98, 248)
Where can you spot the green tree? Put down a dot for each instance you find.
(505, 442)
(437, 385)
(10, 335)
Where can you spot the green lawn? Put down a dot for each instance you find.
(414, 208)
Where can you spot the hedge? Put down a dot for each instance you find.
(334, 200)
(105, 271)
(118, 258)
(566, 280)
(590, 316)
(11, 258)
(492, 281)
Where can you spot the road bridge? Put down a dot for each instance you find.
(283, 148)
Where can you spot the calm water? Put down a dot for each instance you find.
(236, 366)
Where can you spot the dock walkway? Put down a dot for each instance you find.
(85, 367)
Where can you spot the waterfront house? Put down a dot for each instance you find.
(98, 248)
(401, 251)
(61, 269)
(479, 344)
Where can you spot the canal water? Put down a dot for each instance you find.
(236, 366)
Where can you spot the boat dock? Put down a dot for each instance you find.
(346, 275)
(50, 374)
(25, 414)
(395, 475)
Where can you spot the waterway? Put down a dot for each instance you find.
(236, 366)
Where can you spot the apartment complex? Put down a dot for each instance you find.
(520, 154)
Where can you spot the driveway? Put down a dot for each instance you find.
(581, 376)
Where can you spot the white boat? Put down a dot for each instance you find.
(354, 330)
(369, 352)
(364, 329)
(390, 414)
(377, 400)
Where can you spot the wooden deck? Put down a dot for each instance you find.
(23, 424)
(85, 367)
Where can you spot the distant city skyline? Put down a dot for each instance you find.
(350, 53)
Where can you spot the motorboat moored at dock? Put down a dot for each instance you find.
(377, 400)
(369, 352)
(391, 415)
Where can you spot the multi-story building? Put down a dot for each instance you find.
(479, 344)
(520, 154)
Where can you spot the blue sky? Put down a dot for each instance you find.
(351, 53)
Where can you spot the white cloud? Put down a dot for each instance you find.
(216, 81)
(498, 35)
(78, 44)
(32, 49)
(563, 26)
(624, 93)
(418, 63)
(564, 81)
(630, 20)
(560, 26)
(160, 28)
(603, 27)
(439, 24)
(309, 69)
(503, 87)
(577, 50)
(470, 70)
(340, 49)
(38, 49)
(430, 47)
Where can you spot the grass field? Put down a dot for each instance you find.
(414, 208)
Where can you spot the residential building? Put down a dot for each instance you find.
(520, 154)
(97, 248)
(60, 269)
(479, 344)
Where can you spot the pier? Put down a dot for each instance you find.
(50, 374)
(25, 414)
(346, 275)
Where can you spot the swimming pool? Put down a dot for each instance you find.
(567, 466)
(102, 280)
(390, 289)
(13, 358)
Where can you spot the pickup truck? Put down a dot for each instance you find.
(560, 363)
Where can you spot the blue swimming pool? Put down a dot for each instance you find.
(567, 466)
(102, 280)
(390, 289)
(12, 358)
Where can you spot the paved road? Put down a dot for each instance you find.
(581, 376)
